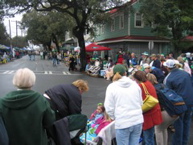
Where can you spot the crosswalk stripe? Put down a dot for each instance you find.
(10, 72)
(68, 73)
(5, 72)
(43, 72)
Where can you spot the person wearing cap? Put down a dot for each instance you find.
(123, 101)
(155, 61)
(144, 59)
(26, 113)
(180, 81)
(156, 71)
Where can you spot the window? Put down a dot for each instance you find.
(121, 21)
(102, 29)
(138, 20)
(113, 24)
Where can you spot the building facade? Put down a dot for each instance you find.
(127, 32)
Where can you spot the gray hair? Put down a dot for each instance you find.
(24, 78)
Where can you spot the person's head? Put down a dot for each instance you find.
(153, 57)
(140, 76)
(132, 55)
(118, 71)
(170, 64)
(145, 54)
(152, 78)
(24, 78)
(146, 68)
(100, 108)
(81, 85)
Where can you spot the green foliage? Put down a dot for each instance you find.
(41, 26)
(19, 41)
(83, 13)
(172, 19)
(4, 39)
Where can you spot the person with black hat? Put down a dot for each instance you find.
(123, 103)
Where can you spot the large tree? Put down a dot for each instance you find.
(82, 11)
(19, 41)
(170, 18)
(4, 38)
(44, 27)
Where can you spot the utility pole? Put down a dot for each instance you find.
(16, 29)
(10, 34)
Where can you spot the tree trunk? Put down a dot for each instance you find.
(78, 31)
(55, 40)
(82, 52)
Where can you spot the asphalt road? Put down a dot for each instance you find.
(48, 76)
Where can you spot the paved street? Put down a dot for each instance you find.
(48, 76)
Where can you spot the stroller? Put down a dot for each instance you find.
(68, 129)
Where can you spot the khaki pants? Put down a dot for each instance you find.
(161, 132)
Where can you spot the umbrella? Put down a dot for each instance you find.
(94, 47)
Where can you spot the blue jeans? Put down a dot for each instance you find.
(54, 61)
(148, 136)
(129, 136)
(182, 128)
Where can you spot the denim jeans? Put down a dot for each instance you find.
(54, 61)
(148, 136)
(182, 128)
(129, 136)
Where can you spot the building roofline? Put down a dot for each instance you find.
(134, 39)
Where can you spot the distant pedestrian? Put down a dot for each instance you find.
(26, 113)
(71, 63)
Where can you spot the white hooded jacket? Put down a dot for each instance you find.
(123, 103)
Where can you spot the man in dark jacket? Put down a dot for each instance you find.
(155, 61)
(180, 81)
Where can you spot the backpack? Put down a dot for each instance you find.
(170, 100)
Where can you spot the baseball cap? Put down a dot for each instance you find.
(170, 63)
(153, 55)
(145, 53)
(146, 65)
(120, 69)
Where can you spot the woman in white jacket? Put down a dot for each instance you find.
(123, 103)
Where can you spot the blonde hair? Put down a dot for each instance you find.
(81, 85)
(24, 78)
(152, 78)
(107, 117)
(116, 77)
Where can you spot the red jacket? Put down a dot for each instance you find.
(152, 117)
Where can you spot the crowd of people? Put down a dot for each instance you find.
(128, 98)
(33, 118)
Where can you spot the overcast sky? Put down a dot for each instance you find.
(13, 25)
